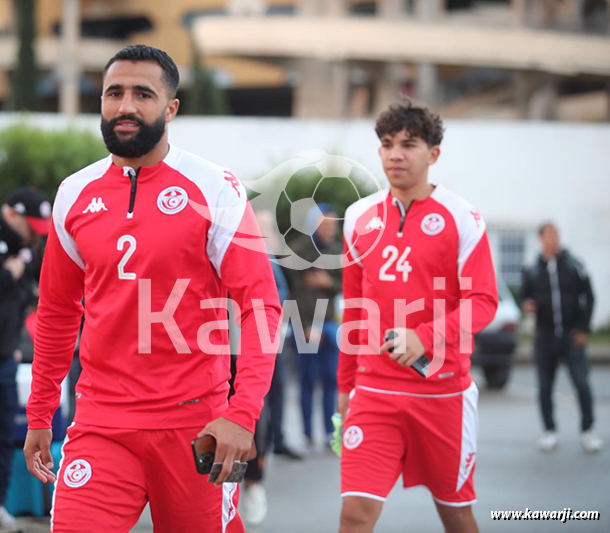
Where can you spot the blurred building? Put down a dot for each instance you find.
(500, 59)
(108, 25)
(534, 59)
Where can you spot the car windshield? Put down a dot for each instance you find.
(503, 290)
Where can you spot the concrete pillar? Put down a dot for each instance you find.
(427, 90)
(391, 8)
(323, 7)
(337, 8)
(322, 91)
(246, 8)
(536, 96)
(389, 87)
(323, 86)
(309, 7)
(430, 9)
(518, 12)
(69, 67)
(427, 78)
(390, 76)
(359, 102)
(538, 13)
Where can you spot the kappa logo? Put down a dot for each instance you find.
(353, 437)
(232, 510)
(433, 224)
(95, 206)
(230, 177)
(172, 200)
(469, 461)
(77, 473)
(477, 216)
(374, 224)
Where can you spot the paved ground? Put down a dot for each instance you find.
(511, 473)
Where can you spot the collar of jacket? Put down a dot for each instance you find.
(562, 255)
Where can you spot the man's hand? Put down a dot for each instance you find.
(233, 443)
(407, 346)
(342, 405)
(579, 338)
(37, 451)
(528, 306)
(15, 266)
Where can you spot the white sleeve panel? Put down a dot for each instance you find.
(225, 196)
(67, 194)
(470, 225)
(354, 212)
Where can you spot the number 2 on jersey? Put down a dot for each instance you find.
(126, 239)
(402, 265)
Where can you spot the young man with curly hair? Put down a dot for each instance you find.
(421, 256)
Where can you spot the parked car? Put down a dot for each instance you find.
(494, 347)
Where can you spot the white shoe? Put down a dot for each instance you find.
(591, 442)
(7, 521)
(255, 504)
(548, 442)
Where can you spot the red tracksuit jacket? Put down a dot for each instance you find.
(393, 256)
(126, 248)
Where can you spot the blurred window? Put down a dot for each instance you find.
(512, 247)
(363, 8)
(281, 10)
(111, 28)
(191, 16)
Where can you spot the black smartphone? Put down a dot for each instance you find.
(420, 366)
(204, 449)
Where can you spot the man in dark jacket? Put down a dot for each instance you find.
(557, 288)
(23, 218)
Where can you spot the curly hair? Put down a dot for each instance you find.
(418, 120)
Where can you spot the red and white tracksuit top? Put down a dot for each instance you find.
(145, 257)
(393, 255)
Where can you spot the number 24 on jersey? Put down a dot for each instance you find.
(391, 255)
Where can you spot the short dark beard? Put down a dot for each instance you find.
(141, 144)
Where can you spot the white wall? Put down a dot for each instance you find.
(516, 173)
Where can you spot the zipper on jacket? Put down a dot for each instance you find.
(132, 174)
(403, 213)
(553, 271)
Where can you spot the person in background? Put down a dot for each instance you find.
(269, 427)
(558, 290)
(24, 217)
(309, 287)
(275, 398)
